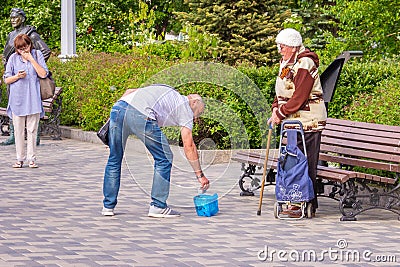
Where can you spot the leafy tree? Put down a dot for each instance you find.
(164, 15)
(372, 26)
(246, 29)
(44, 15)
(116, 25)
(311, 19)
(103, 26)
(100, 25)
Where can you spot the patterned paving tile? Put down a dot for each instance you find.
(50, 216)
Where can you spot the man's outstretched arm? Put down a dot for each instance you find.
(193, 157)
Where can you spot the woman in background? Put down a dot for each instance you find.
(23, 70)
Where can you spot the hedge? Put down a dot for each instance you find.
(238, 99)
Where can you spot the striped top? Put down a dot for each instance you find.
(162, 103)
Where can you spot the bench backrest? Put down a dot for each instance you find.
(361, 144)
(48, 103)
(330, 77)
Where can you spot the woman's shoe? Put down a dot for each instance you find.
(32, 164)
(18, 164)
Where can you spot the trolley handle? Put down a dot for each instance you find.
(300, 130)
(296, 122)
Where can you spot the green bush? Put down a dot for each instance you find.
(238, 99)
(361, 80)
(93, 82)
(380, 106)
(167, 50)
(3, 95)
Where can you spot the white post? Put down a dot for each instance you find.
(68, 30)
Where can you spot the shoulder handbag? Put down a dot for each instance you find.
(47, 86)
(103, 132)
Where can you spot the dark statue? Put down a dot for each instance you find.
(17, 19)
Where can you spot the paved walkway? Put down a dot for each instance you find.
(50, 216)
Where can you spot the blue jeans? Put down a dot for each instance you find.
(124, 121)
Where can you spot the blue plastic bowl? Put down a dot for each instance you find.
(206, 205)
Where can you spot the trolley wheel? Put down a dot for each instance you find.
(309, 210)
(248, 184)
(277, 209)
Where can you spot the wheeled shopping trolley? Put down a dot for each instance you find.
(294, 189)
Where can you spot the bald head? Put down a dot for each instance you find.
(196, 104)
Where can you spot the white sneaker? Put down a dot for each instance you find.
(107, 212)
(162, 213)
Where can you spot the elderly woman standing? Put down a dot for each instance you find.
(23, 69)
(299, 96)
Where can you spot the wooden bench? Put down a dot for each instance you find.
(360, 167)
(49, 124)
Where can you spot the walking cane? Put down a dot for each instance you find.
(265, 169)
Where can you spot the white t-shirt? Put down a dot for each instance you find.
(163, 104)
